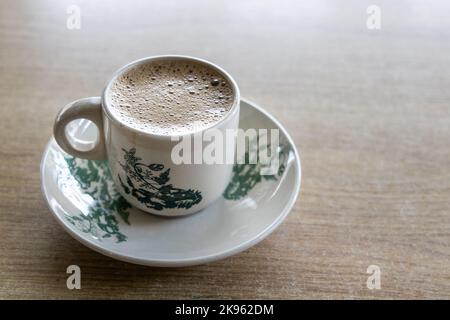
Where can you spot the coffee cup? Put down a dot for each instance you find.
(137, 134)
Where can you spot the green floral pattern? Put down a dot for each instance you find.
(149, 184)
(246, 176)
(102, 220)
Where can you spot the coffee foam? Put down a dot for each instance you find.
(171, 97)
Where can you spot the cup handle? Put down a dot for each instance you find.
(87, 108)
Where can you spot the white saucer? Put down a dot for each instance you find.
(82, 197)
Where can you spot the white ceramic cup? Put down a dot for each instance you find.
(141, 163)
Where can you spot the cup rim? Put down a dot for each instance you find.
(106, 108)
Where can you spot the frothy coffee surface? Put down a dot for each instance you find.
(171, 97)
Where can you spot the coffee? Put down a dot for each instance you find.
(171, 97)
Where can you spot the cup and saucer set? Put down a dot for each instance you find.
(116, 189)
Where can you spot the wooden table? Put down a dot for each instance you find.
(368, 110)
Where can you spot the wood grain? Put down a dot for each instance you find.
(368, 110)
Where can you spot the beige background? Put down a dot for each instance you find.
(368, 110)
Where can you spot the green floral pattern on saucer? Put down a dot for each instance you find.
(107, 207)
(247, 176)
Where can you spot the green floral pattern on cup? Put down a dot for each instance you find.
(149, 184)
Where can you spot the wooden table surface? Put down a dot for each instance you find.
(368, 110)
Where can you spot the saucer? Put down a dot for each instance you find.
(83, 199)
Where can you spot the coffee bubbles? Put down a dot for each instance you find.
(171, 97)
